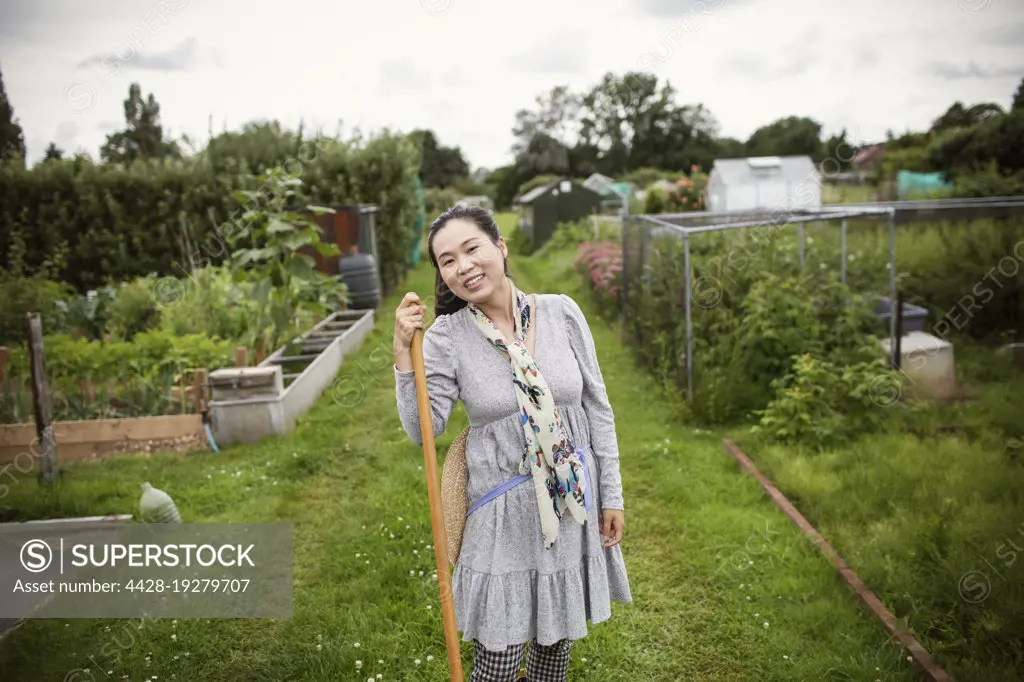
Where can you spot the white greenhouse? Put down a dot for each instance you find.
(764, 183)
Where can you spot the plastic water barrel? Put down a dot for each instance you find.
(359, 273)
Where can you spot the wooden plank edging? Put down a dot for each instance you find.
(868, 599)
(90, 438)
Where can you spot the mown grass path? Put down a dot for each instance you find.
(724, 587)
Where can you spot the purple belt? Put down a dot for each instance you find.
(523, 478)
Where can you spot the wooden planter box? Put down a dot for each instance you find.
(94, 438)
(251, 403)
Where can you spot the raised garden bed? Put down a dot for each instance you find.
(251, 403)
(90, 439)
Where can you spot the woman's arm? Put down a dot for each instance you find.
(442, 385)
(595, 402)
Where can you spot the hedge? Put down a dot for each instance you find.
(124, 222)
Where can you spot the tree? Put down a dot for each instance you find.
(1018, 97)
(730, 148)
(143, 137)
(260, 145)
(958, 116)
(838, 152)
(53, 152)
(789, 136)
(12, 138)
(441, 166)
(544, 136)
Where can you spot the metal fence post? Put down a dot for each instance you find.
(800, 230)
(892, 277)
(689, 323)
(842, 267)
(625, 270)
(645, 259)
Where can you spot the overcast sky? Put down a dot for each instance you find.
(463, 67)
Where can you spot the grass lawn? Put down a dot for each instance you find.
(724, 587)
(932, 521)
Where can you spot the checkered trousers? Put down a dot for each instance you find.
(543, 663)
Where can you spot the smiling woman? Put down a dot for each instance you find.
(536, 562)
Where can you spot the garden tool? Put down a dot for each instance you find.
(444, 580)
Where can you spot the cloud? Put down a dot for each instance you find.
(678, 8)
(184, 56)
(1007, 34)
(67, 133)
(563, 52)
(865, 57)
(404, 74)
(797, 58)
(951, 71)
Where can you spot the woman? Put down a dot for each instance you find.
(541, 558)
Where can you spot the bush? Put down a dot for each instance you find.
(21, 294)
(123, 222)
(689, 193)
(654, 201)
(822, 403)
(437, 200)
(134, 309)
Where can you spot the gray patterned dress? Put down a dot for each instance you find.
(507, 587)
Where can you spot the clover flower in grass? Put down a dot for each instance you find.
(359, 665)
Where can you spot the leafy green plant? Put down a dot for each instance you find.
(689, 193)
(133, 310)
(271, 258)
(821, 403)
(90, 379)
(22, 292)
(89, 314)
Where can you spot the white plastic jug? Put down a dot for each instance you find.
(156, 506)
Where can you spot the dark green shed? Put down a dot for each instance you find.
(558, 201)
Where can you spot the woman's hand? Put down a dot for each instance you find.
(408, 318)
(612, 521)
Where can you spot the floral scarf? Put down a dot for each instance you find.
(551, 459)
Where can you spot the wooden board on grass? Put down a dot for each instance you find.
(89, 439)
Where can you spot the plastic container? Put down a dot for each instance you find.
(913, 316)
(156, 506)
(359, 273)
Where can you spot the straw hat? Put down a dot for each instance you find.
(453, 494)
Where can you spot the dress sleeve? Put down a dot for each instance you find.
(442, 385)
(596, 404)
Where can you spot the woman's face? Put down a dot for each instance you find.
(471, 264)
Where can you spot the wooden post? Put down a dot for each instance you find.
(261, 350)
(199, 378)
(49, 466)
(5, 355)
(241, 356)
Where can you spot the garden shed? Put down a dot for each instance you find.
(764, 183)
(558, 201)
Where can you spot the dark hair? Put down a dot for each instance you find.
(445, 302)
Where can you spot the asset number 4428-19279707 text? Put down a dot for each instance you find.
(186, 585)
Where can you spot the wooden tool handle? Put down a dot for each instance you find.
(444, 580)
